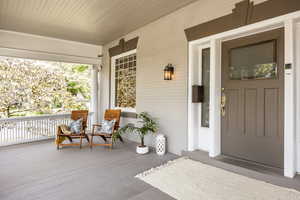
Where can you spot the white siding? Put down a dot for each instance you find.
(160, 43)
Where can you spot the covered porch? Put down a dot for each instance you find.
(215, 85)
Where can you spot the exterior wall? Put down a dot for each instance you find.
(160, 43)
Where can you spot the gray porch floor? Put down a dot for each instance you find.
(38, 171)
(251, 170)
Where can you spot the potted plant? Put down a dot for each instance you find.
(145, 125)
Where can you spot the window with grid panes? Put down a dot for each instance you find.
(125, 81)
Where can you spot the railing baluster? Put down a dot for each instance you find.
(22, 130)
(28, 132)
(13, 132)
(1, 133)
(18, 132)
(41, 131)
(34, 130)
(9, 135)
(36, 133)
(6, 131)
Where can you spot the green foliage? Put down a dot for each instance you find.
(76, 88)
(146, 124)
(30, 87)
(80, 68)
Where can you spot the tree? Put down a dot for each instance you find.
(30, 86)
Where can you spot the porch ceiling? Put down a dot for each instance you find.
(91, 21)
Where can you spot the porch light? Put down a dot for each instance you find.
(169, 72)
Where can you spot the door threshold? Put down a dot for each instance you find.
(245, 168)
(258, 167)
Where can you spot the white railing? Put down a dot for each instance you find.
(28, 129)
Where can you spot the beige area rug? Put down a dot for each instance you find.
(185, 179)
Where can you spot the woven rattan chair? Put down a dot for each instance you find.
(109, 115)
(61, 132)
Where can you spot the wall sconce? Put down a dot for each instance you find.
(169, 72)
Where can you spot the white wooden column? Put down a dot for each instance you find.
(193, 112)
(215, 98)
(290, 101)
(94, 95)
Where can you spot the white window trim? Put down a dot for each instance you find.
(112, 78)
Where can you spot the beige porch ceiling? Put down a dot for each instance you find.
(90, 21)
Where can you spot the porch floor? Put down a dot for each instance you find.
(39, 171)
(251, 170)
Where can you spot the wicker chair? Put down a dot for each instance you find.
(75, 115)
(110, 114)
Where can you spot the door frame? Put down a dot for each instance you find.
(288, 22)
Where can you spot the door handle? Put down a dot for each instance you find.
(223, 102)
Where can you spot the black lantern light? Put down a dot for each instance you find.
(169, 72)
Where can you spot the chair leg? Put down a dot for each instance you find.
(111, 143)
(80, 142)
(87, 138)
(104, 138)
(91, 141)
(70, 139)
(57, 144)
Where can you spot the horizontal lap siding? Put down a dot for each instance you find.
(160, 43)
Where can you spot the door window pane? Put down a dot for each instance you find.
(205, 83)
(253, 62)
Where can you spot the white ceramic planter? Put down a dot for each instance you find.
(142, 150)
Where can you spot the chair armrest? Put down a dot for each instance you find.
(94, 129)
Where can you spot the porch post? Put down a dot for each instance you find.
(94, 95)
(192, 108)
(215, 100)
(289, 102)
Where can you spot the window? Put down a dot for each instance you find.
(256, 61)
(205, 57)
(124, 81)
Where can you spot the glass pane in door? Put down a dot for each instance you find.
(256, 61)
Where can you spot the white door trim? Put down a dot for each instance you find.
(289, 100)
(286, 21)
